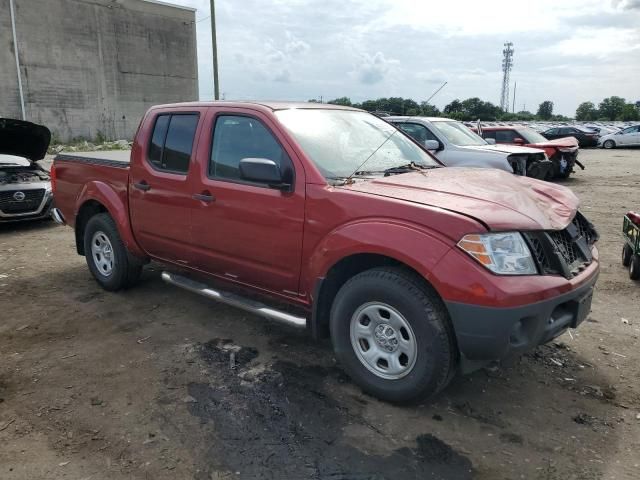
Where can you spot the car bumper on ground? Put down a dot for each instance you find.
(486, 334)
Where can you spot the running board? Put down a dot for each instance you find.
(234, 300)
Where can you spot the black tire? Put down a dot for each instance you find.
(126, 270)
(634, 267)
(609, 144)
(627, 253)
(422, 309)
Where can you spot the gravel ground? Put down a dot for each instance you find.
(156, 383)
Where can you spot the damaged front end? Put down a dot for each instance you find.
(564, 159)
(534, 165)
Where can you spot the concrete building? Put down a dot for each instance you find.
(91, 68)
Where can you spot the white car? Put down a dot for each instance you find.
(25, 187)
(627, 137)
(457, 146)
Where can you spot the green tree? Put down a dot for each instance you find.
(345, 101)
(586, 111)
(630, 113)
(611, 108)
(453, 107)
(429, 110)
(545, 110)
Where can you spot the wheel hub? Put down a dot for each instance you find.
(102, 252)
(386, 337)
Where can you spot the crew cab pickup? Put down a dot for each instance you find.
(331, 219)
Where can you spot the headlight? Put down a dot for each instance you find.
(502, 253)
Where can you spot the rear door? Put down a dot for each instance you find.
(160, 199)
(246, 231)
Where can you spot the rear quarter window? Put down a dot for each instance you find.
(172, 142)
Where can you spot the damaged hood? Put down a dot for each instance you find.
(500, 200)
(23, 139)
(568, 143)
(502, 148)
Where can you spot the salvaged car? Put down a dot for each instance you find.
(25, 187)
(329, 218)
(563, 152)
(455, 145)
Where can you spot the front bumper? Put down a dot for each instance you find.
(486, 334)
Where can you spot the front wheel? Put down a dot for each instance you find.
(634, 268)
(609, 144)
(391, 333)
(627, 253)
(106, 255)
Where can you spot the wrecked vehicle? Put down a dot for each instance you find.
(455, 145)
(563, 152)
(25, 187)
(329, 218)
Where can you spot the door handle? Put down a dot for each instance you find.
(204, 197)
(143, 185)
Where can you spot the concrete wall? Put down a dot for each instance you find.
(92, 67)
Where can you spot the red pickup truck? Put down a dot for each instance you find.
(328, 218)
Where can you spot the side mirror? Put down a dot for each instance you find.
(490, 141)
(432, 145)
(262, 170)
(518, 141)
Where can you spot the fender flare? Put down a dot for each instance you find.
(415, 246)
(116, 204)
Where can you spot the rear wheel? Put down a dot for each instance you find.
(107, 257)
(634, 268)
(391, 334)
(627, 253)
(609, 144)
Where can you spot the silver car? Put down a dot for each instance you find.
(25, 186)
(455, 145)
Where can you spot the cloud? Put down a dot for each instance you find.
(374, 68)
(295, 46)
(627, 4)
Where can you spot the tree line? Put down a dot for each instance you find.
(611, 108)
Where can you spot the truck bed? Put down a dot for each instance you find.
(111, 158)
(103, 172)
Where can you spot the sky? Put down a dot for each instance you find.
(566, 51)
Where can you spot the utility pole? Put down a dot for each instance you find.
(214, 48)
(515, 84)
(15, 52)
(507, 64)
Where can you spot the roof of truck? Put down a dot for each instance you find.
(272, 105)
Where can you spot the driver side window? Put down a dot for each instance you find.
(418, 132)
(238, 137)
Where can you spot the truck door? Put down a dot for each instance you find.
(245, 231)
(160, 199)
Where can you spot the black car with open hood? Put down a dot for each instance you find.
(23, 139)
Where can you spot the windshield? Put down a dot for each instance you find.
(457, 134)
(340, 141)
(531, 136)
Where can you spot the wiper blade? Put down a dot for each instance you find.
(409, 167)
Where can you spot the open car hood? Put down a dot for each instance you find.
(500, 200)
(23, 139)
(502, 148)
(567, 142)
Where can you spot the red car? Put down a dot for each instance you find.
(328, 218)
(563, 152)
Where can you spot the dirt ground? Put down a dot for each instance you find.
(157, 383)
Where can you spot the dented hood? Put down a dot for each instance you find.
(569, 143)
(500, 200)
(23, 139)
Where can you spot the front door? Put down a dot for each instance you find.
(160, 199)
(245, 231)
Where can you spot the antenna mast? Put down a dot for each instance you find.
(507, 64)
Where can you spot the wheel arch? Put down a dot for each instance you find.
(339, 273)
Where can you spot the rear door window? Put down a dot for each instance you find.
(419, 132)
(172, 142)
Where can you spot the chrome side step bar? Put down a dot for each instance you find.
(234, 300)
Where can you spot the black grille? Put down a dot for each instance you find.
(31, 202)
(566, 252)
